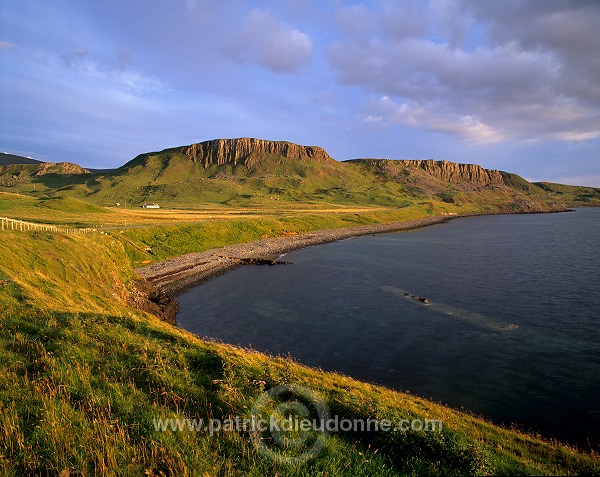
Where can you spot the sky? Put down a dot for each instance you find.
(510, 85)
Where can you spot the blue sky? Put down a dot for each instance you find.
(510, 85)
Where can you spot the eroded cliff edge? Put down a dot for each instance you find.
(222, 151)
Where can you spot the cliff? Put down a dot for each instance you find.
(429, 177)
(453, 172)
(442, 170)
(222, 151)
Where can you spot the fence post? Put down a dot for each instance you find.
(13, 224)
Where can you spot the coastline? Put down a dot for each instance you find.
(179, 274)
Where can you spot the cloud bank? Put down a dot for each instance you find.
(267, 41)
(483, 71)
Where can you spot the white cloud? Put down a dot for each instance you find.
(110, 74)
(416, 115)
(265, 40)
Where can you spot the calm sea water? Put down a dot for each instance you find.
(512, 331)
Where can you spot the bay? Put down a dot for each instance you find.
(510, 329)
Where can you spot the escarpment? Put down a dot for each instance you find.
(453, 172)
(222, 151)
(444, 171)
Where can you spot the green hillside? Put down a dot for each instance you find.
(575, 195)
(174, 178)
(85, 377)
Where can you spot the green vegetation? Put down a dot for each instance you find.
(582, 196)
(84, 375)
(176, 180)
(171, 241)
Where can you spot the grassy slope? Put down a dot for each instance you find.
(84, 375)
(573, 195)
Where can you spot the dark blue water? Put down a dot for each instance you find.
(512, 331)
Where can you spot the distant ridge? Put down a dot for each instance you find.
(249, 171)
(7, 159)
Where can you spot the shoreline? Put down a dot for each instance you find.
(179, 274)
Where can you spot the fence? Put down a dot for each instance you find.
(21, 225)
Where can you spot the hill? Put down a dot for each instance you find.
(247, 172)
(50, 175)
(7, 159)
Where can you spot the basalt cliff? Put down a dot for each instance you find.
(453, 172)
(222, 151)
(444, 171)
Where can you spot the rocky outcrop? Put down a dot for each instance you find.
(146, 297)
(256, 261)
(222, 151)
(60, 168)
(457, 173)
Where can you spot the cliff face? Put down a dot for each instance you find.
(457, 173)
(222, 151)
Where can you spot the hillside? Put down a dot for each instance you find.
(50, 175)
(7, 159)
(85, 376)
(249, 172)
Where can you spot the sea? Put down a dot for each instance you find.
(498, 315)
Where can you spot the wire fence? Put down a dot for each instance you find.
(23, 226)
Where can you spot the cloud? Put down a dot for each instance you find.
(477, 70)
(270, 43)
(472, 129)
(110, 73)
(5, 45)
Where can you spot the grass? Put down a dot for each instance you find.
(581, 196)
(170, 241)
(84, 376)
(169, 233)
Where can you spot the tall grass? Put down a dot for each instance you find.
(83, 376)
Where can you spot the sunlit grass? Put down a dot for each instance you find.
(84, 375)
